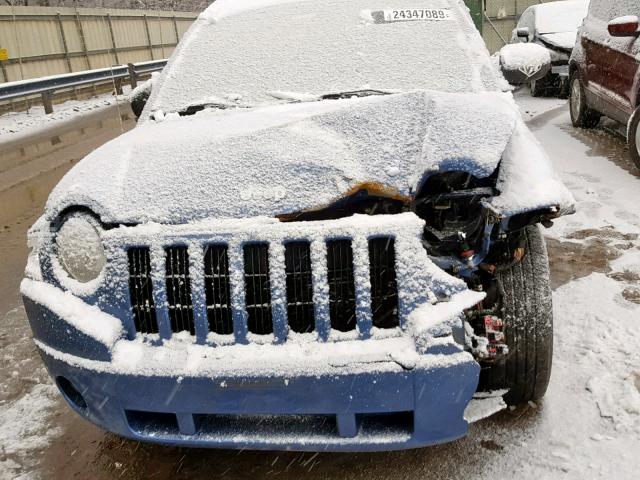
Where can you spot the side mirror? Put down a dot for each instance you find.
(628, 26)
(523, 33)
(139, 96)
(524, 62)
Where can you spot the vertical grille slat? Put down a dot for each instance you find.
(179, 290)
(141, 290)
(258, 288)
(218, 289)
(340, 275)
(300, 306)
(384, 289)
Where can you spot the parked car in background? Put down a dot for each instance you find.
(605, 69)
(553, 25)
(319, 236)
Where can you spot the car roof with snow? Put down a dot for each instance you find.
(560, 17)
(249, 50)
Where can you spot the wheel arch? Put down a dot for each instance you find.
(573, 67)
(635, 88)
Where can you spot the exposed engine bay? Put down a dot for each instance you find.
(464, 235)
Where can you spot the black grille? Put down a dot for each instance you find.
(258, 288)
(179, 290)
(216, 281)
(299, 288)
(141, 290)
(384, 291)
(342, 291)
(300, 306)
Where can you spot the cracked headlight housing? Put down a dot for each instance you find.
(79, 248)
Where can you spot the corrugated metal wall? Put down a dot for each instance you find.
(45, 41)
(500, 18)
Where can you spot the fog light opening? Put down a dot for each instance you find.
(71, 394)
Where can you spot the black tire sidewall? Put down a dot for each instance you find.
(544, 87)
(564, 90)
(528, 315)
(586, 117)
(534, 87)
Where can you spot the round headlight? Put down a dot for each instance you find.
(80, 250)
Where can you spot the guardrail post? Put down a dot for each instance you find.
(47, 101)
(133, 76)
(118, 84)
(3, 69)
(5, 78)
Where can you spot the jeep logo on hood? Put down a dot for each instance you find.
(260, 192)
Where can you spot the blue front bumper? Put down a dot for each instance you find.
(363, 412)
(376, 406)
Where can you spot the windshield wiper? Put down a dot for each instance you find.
(193, 109)
(295, 97)
(368, 92)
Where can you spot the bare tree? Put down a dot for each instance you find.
(177, 5)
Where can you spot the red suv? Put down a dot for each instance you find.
(605, 68)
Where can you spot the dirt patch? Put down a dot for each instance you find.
(625, 246)
(626, 277)
(632, 294)
(593, 253)
(606, 233)
(635, 376)
(572, 260)
(491, 445)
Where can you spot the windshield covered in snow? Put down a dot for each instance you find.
(560, 17)
(247, 51)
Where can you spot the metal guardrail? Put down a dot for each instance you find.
(47, 86)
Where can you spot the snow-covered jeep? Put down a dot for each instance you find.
(321, 235)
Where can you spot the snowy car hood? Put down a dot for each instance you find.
(565, 40)
(284, 158)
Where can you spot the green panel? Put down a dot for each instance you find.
(476, 7)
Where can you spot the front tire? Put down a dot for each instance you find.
(536, 90)
(634, 138)
(540, 88)
(527, 312)
(548, 86)
(581, 115)
(565, 89)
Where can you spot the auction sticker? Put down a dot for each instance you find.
(417, 14)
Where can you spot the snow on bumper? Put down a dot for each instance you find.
(374, 406)
(377, 394)
(67, 323)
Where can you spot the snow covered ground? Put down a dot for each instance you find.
(587, 427)
(14, 125)
(28, 400)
